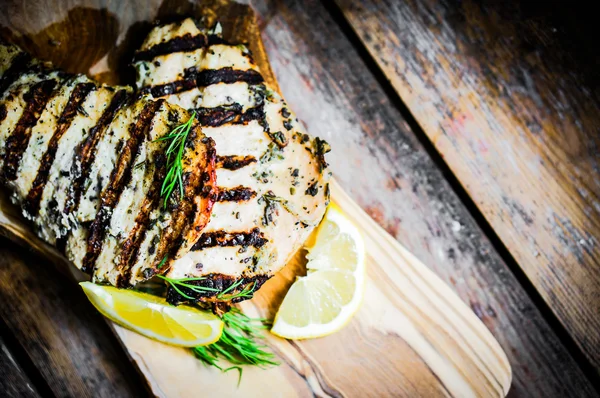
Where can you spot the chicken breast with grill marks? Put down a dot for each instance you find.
(272, 177)
(86, 164)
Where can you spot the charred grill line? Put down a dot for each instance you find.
(220, 115)
(3, 113)
(225, 75)
(85, 155)
(193, 78)
(183, 43)
(237, 194)
(170, 88)
(119, 178)
(16, 144)
(19, 64)
(253, 238)
(179, 44)
(34, 196)
(234, 162)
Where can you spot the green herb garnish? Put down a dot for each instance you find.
(239, 344)
(177, 284)
(247, 292)
(175, 159)
(162, 262)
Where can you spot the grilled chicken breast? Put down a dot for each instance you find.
(272, 177)
(86, 164)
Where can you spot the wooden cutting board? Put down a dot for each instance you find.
(412, 336)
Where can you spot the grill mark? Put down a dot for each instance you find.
(237, 194)
(183, 43)
(208, 77)
(179, 44)
(234, 162)
(253, 238)
(16, 69)
(225, 75)
(218, 116)
(85, 154)
(34, 196)
(3, 112)
(16, 144)
(119, 178)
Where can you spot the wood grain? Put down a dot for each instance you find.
(496, 92)
(59, 330)
(14, 382)
(377, 159)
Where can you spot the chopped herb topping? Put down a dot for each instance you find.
(273, 152)
(321, 147)
(278, 138)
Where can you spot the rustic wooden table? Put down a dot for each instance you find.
(471, 133)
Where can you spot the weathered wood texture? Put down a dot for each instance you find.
(494, 87)
(377, 159)
(379, 163)
(60, 331)
(14, 382)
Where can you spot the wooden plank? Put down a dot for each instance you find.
(14, 382)
(346, 105)
(496, 90)
(59, 330)
(378, 161)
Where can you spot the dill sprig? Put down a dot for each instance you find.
(177, 284)
(240, 344)
(247, 292)
(174, 153)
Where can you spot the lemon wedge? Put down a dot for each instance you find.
(324, 301)
(153, 317)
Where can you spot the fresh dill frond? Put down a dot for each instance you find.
(174, 153)
(246, 292)
(177, 284)
(240, 344)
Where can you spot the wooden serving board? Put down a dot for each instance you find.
(412, 336)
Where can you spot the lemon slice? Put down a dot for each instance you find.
(153, 317)
(324, 301)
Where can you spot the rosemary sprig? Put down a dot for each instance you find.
(175, 158)
(239, 344)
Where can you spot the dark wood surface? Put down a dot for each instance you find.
(57, 333)
(14, 381)
(380, 158)
(507, 93)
